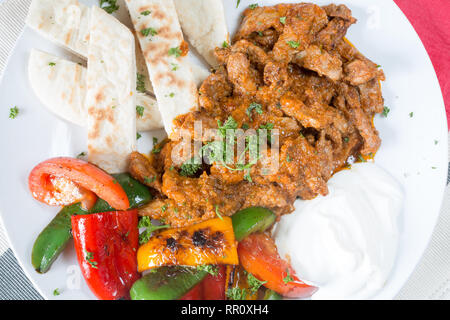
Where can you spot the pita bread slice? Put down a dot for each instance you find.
(66, 22)
(61, 87)
(203, 24)
(59, 84)
(162, 44)
(110, 98)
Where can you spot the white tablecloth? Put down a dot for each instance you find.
(431, 279)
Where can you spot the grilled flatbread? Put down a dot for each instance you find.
(61, 86)
(203, 24)
(164, 50)
(110, 98)
(66, 22)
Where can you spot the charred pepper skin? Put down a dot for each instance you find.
(54, 238)
(166, 283)
(251, 220)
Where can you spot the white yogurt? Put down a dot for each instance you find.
(345, 243)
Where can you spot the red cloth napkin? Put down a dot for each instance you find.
(431, 19)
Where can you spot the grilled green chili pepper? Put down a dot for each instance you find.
(251, 220)
(166, 283)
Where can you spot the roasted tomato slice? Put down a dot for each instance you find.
(106, 245)
(258, 255)
(63, 181)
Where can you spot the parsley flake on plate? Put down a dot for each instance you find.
(13, 112)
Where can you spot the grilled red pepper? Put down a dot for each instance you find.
(196, 293)
(214, 286)
(106, 245)
(211, 288)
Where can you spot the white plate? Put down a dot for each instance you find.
(408, 151)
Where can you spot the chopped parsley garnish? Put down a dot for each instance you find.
(146, 222)
(268, 127)
(346, 139)
(254, 284)
(138, 136)
(148, 180)
(146, 12)
(411, 114)
(171, 95)
(436, 142)
(90, 259)
(155, 141)
(253, 6)
(81, 155)
(56, 292)
(140, 83)
(51, 64)
(230, 124)
(219, 215)
(288, 158)
(293, 44)
(236, 293)
(175, 52)
(174, 66)
(140, 111)
(238, 3)
(386, 111)
(225, 44)
(109, 5)
(361, 158)
(245, 126)
(13, 112)
(149, 31)
(288, 277)
(189, 168)
(156, 150)
(164, 207)
(254, 106)
(283, 20)
(260, 34)
(211, 269)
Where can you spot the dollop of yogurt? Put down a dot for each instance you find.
(345, 243)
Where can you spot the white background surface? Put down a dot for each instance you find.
(408, 151)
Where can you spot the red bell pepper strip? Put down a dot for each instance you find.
(259, 256)
(211, 288)
(214, 286)
(196, 293)
(52, 182)
(106, 245)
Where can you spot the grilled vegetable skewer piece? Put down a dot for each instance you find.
(54, 238)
